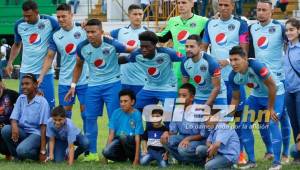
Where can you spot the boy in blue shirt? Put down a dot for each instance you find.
(26, 136)
(152, 148)
(63, 137)
(125, 128)
(222, 146)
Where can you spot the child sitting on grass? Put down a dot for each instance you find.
(64, 136)
(152, 149)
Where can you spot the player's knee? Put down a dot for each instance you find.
(6, 131)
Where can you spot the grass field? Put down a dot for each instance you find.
(102, 138)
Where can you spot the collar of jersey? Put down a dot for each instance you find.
(293, 46)
(229, 20)
(184, 21)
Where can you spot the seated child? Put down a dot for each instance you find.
(152, 149)
(63, 136)
(125, 128)
(222, 146)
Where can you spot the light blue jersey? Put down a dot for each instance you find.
(202, 72)
(131, 73)
(66, 42)
(102, 61)
(254, 78)
(160, 76)
(267, 42)
(35, 40)
(223, 35)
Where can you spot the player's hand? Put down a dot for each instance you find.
(164, 138)
(70, 94)
(40, 80)
(15, 134)
(83, 23)
(165, 156)
(43, 158)
(184, 143)
(9, 69)
(273, 115)
(212, 150)
(223, 63)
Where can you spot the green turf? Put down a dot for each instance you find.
(102, 137)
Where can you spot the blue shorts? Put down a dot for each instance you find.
(47, 87)
(134, 88)
(220, 101)
(261, 103)
(79, 92)
(96, 96)
(147, 97)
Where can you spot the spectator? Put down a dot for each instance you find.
(282, 4)
(215, 4)
(4, 55)
(7, 100)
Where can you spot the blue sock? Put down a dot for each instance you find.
(276, 141)
(266, 137)
(286, 133)
(92, 133)
(248, 141)
(239, 133)
(69, 114)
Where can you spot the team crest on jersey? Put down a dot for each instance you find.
(132, 123)
(41, 26)
(203, 68)
(154, 72)
(272, 30)
(99, 63)
(34, 39)
(159, 60)
(231, 27)
(105, 51)
(193, 25)
(251, 75)
(252, 85)
(77, 35)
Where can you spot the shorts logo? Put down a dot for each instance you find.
(41, 26)
(221, 39)
(263, 42)
(231, 27)
(99, 63)
(77, 35)
(264, 72)
(70, 49)
(272, 30)
(34, 39)
(154, 72)
(193, 25)
(159, 60)
(131, 43)
(203, 68)
(182, 36)
(199, 80)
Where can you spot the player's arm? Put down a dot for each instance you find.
(205, 39)
(185, 142)
(43, 143)
(111, 136)
(269, 82)
(185, 75)
(165, 35)
(47, 65)
(144, 147)
(244, 36)
(15, 50)
(51, 148)
(216, 82)
(71, 154)
(137, 150)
